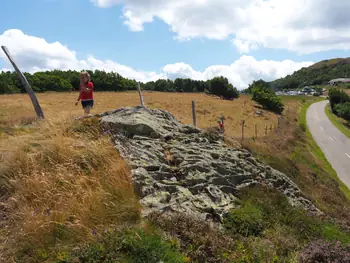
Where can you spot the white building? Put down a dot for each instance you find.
(340, 80)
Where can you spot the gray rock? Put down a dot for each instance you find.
(202, 176)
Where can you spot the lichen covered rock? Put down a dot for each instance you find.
(181, 168)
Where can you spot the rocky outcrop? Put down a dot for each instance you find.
(181, 168)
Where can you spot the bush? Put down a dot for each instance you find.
(337, 96)
(247, 221)
(320, 251)
(268, 100)
(200, 241)
(343, 110)
(136, 246)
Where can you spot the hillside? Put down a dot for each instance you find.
(317, 74)
(103, 189)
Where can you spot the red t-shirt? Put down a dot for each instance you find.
(87, 91)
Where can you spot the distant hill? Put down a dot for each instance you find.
(317, 74)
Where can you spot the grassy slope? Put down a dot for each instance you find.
(294, 152)
(80, 189)
(337, 122)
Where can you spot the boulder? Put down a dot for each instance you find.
(181, 168)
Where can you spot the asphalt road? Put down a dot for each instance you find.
(334, 144)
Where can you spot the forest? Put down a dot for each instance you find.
(61, 81)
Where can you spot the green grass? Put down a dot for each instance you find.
(131, 246)
(337, 122)
(316, 150)
(266, 214)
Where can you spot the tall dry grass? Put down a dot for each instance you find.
(208, 108)
(59, 186)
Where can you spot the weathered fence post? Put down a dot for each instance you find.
(26, 85)
(222, 118)
(140, 94)
(279, 122)
(243, 122)
(265, 129)
(194, 114)
(256, 131)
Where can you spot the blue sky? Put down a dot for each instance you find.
(111, 30)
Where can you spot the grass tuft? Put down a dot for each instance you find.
(60, 185)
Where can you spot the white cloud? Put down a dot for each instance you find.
(35, 54)
(303, 26)
(240, 73)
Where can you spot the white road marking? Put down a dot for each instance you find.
(331, 138)
(347, 155)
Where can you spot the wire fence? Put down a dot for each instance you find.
(267, 129)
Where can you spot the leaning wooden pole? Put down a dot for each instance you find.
(140, 94)
(26, 85)
(194, 114)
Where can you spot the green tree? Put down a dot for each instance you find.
(221, 87)
(261, 85)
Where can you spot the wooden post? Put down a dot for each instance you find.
(222, 118)
(265, 129)
(279, 122)
(194, 114)
(256, 131)
(26, 85)
(243, 122)
(270, 127)
(140, 94)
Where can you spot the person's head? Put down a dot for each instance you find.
(84, 77)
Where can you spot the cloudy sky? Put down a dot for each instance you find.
(243, 40)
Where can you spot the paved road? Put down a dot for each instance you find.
(334, 144)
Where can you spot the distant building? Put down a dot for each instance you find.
(340, 80)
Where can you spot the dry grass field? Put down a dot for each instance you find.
(62, 183)
(16, 109)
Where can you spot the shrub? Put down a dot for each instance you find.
(343, 110)
(321, 251)
(337, 96)
(200, 241)
(135, 245)
(268, 100)
(247, 221)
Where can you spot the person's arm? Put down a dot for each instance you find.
(80, 91)
(89, 87)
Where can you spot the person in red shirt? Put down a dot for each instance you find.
(86, 92)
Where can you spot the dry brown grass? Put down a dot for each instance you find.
(208, 108)
(59, 185)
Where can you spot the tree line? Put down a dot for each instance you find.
(61, 81)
